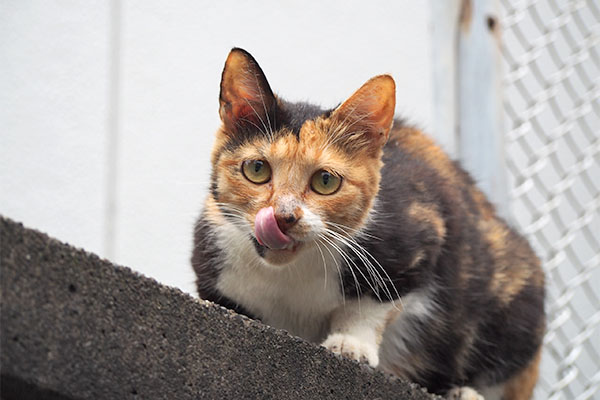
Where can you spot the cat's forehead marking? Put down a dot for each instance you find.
(283, 147)
(297, 114)
(291, 160)
(310, 134)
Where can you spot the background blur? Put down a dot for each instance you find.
(108, 111)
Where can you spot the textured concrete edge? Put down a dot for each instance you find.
(75, 326)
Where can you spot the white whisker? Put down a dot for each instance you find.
(349, 262)
(365, 255)
(337, 265)
(324, 266)
(358, 232)
(371, 282)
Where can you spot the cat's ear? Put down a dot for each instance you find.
(365, 119)
(246, 100)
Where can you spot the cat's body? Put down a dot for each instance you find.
(401, 264)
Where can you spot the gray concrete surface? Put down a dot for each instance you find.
(74, 326)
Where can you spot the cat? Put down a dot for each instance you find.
(355, 231)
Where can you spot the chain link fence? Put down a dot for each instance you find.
(551, 56)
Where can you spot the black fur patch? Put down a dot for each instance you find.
(296, 114)
(261, 250)
(285, 115)
(206, 264)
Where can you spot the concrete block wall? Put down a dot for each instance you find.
(74, 326)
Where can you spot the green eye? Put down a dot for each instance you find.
(256, 171)
(324, 182)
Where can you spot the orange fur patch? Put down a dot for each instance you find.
(391, 316)
(521, 386)
(510, 275)
(419, 256)
(423, 147)
(415, 360)
(429, 215)
(485, 207)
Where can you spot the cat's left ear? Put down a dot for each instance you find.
(246, 100)
(365, 119)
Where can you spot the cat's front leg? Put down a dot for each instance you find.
(357, 329)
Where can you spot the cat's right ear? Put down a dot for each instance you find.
(246, 99)
(365, 119)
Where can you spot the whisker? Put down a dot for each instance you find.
(253, 124)
(266, 130)
(356, 248)
(352, 243)
(371, 282)
(349, 261)
(359, 232)
(337, 265)
(324, 265)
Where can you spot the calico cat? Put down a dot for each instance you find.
(355, 231)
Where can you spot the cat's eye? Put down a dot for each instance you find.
(256, 171)
(324, 182)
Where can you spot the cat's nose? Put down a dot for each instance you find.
(286, 219)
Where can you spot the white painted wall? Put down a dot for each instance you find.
(55, 104)
(53, 108)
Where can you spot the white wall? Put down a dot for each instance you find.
(53, 107)
(58, 100)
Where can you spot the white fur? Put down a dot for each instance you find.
(356, 329)
(297, 297)
(312, 222)
(353, 348)
(492, 392)
(463, 393)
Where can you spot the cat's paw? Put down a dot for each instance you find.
(463, 393)
(353, 348)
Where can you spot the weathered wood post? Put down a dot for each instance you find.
(467, 99)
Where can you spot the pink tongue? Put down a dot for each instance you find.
(267, 231)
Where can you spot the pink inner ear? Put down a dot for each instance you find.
(245, 93)
(245, 104)
(372, 104)
(243, 111)
(245, 96)
(237, 112)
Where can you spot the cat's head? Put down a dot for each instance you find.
(287, 173)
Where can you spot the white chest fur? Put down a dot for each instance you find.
(298, 297)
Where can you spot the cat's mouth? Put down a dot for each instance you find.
(291, 248)
(269, 235)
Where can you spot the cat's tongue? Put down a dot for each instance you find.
(267, 231)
